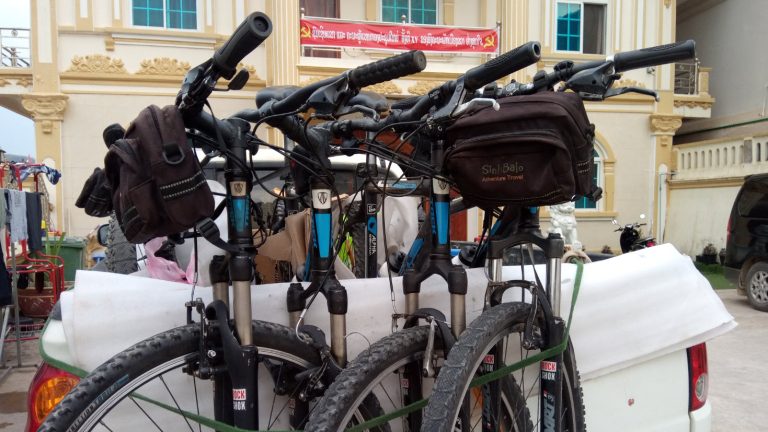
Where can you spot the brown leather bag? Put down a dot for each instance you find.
(158, 186)
(535, 150)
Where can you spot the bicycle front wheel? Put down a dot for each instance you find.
(391, 372)
(147, 387)
(497, 333)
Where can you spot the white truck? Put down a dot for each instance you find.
(639, 330)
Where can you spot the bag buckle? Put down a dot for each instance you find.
(173, 150)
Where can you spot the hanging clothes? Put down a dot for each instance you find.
(34, 221)
(3, 209)
(52, 174)
(17, 206)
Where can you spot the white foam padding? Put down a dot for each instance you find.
(630, 309)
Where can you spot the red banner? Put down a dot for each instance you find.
(397, 36)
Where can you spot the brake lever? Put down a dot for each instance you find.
(474, 105)
(366, 111)
(621, 90)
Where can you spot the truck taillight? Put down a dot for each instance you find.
(48, 388)
(699, 376)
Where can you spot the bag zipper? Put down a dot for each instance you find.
(498, 135)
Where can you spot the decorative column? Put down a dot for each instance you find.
(46, 103)
(703, 81)
(283, 45)
(513, 15)
(283, 49)
(448, 12)
(663, 128)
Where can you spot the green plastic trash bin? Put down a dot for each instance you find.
(71, 251)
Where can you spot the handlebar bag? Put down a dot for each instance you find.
(535, 150)
(158, 186)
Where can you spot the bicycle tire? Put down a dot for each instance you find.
(396, 352)
(105, 388)
(507, 319)
(120, 256)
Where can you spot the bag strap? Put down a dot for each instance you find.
(209, 231)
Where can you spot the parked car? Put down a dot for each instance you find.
(746, 246)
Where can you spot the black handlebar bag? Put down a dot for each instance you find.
(535, 150)
(158, 186)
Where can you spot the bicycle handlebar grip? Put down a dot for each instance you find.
(503, 65)
(654, 56)
(249, 35)
(387, 69)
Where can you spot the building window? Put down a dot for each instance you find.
(172, 14)
(415, 11)
(581, 27)
(584, 202)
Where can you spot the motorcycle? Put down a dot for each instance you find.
(630, 238)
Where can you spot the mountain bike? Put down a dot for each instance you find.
(214, 371)
(513, 337)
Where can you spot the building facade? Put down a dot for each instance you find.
(714, 155)
(95, 62)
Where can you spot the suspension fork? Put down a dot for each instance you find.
(238, 391)
(552, 371)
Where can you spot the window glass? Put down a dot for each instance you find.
(594, 28)
(753, 201)
(416, 11)
(580, 27)
(174, 14)
(569, 27)
(392, 10)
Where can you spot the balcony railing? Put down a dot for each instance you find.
(686, 78)
(14, 48)
(721, 159)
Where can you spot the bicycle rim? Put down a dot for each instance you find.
(158, 394)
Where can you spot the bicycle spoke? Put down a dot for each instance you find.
(197, 402)
(145, 414)
(105, 426)
(175, 402)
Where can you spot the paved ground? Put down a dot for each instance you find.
(737, 361)
(736, 366)
(13, 388)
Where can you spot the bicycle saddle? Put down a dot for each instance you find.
(275, 92)
(370, 100)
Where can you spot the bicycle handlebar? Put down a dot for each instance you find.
(503, 65)
(654, 56)
(387, 69)
(249, 35)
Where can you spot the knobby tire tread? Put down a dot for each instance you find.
(154, 351)
(458, 367)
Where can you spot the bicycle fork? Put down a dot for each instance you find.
(551, 369)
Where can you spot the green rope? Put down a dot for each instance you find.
(205, 421)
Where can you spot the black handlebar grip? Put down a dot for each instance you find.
(249, 35)
(387, 69)
(503, 65)
(654, 56)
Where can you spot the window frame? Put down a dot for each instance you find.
(198, 19)
(607, 24)
(438, 14)
(599, 161)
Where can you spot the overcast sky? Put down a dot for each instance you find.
(17, 134)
